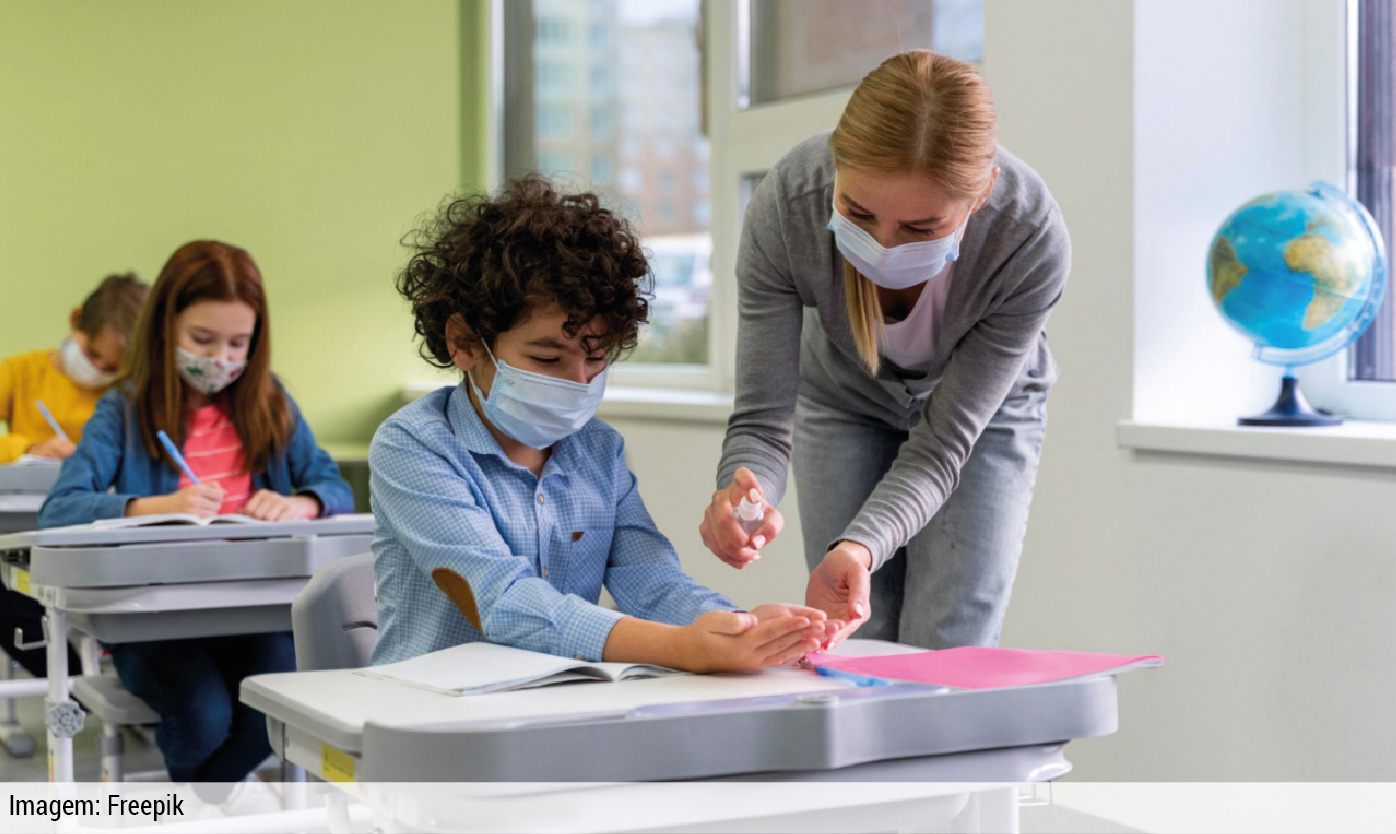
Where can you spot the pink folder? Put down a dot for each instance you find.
(975, 667)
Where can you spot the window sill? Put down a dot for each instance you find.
(629, 403)
(621, 403)
(1356, 443)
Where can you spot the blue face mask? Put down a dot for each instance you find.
(899, 267)
(538, 410)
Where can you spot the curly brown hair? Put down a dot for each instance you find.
(495, 260)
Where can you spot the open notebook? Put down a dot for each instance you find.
(478, 668)
(172, 518)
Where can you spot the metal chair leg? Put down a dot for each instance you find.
(13, 737)
(113, 746)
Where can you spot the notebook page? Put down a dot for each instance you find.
(474, 667)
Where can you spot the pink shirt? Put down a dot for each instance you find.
(212, 449)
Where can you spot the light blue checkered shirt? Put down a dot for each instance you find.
(535, 551)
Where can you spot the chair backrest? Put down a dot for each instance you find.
(335, 617)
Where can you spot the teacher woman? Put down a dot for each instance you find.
(895, 278)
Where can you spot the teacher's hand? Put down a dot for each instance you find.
(840, 587)
(720, 530)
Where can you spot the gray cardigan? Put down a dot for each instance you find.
(991, 344)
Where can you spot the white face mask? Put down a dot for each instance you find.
(899, 267)
(535, 409)
(78, 368)
(206, 373)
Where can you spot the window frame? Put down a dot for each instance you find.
(1332, 136)
(514, 42)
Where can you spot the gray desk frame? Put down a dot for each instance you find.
(901, 734)
(165, 582)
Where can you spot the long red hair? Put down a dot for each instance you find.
(207, 270)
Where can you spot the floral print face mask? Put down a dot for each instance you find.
(207, 373)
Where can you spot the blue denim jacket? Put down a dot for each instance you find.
(111, 467)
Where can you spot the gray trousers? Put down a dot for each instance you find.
(949, 586)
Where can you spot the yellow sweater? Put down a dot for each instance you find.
(33, 376)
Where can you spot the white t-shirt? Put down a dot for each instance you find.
(910, 343)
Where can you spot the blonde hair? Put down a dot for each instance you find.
(918, 113)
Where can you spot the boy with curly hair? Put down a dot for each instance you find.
(502, 505)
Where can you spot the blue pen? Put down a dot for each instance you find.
(178, 458)
(57, 429)
(856, 679)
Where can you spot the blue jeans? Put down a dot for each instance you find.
(949, 586)
(205, 733)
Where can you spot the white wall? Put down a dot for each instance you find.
(1268, 587)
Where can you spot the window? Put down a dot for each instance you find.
(552, 77)
(1373, 357)
(602, 124)
(630, 69)
(601, 81)
(1359, 381)
(788, 52)
(552, 29)
(554, 120)
(601, 171)
(600, 36)
(638, 61)
(556, 164)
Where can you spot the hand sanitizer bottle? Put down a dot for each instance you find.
(750, 513)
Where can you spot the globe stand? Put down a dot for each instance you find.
(1291, 409)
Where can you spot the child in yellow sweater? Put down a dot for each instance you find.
(72, 378)
(69, 381)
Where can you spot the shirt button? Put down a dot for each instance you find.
(545, 573)
(540, 498)
(579, 657)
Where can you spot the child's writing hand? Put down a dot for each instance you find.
(726, 641)
(273, 506)
(203, 500)
(57, 448)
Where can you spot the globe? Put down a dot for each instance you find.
(1301, 274)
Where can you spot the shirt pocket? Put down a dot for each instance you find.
(579, 560)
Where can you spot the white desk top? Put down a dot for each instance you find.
(26, 503)
(31, 478)
(83, 535)
(338, 703)
(344, 701)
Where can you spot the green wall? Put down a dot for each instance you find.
(310, 132)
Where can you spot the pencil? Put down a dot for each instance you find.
(178, 458)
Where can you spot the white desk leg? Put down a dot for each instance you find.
(90, 656)
(62, 715)
(293, 780)
(13, 738)
(998, 810)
